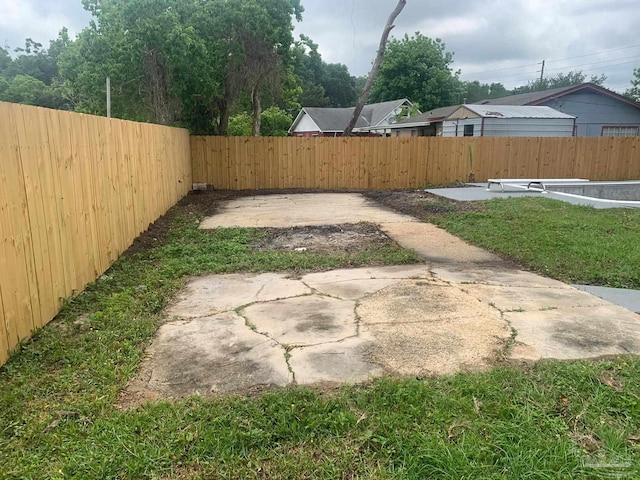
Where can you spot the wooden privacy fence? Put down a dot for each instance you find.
(237, 163)
(75, 191)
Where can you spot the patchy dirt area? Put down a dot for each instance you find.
(350, 238)
(419, 204)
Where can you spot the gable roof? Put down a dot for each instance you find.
(333, 119)
(377, 113)
(514, 111)
(431, 116)
(536, 98)
(337, 119)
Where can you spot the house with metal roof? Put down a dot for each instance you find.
(507, 121)
(375, 119)
(597, 111)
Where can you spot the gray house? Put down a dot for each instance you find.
(507, 121)
(374, 120)
(597, 111)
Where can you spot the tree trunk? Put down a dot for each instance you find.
(376, 66)
(257, 110)
(223, 127)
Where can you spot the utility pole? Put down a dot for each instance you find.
(108, 97)
(542, 72)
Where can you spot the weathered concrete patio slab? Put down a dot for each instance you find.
(301, 209)
(436, 245)
(424, 329)
(506, 298)
(579, 332)
(237, 332)
(499, 274)
(303, 321)
(419, 301)
(230, 292)
(344, 361)
(352, 284)
(214, 354)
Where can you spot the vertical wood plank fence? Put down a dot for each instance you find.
(75, 191)
(238, 163)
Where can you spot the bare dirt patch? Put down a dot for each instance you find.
(351, 238)
(420, 204)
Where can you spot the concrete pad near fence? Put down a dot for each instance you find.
(301, 209)
(459, 311)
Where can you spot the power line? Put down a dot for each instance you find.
(595, 63)
(592, 54)
(552, 61)
(532, 74)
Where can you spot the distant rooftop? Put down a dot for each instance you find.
(515, 111)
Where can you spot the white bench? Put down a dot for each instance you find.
(521, 182)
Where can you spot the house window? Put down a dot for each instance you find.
(468, 130)
(620, 131)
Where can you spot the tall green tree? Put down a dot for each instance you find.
(417, 68)
(558, 80)
(322, 84)
(474, 91)
(32, 77)
(184, 62)
(339, 85)
(634, 92)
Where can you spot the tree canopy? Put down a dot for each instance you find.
(32, 77)
(322, 84)
(634, 92)
(558, 80)
(417, 68)
(184, 62)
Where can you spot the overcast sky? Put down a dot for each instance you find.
(492, 40)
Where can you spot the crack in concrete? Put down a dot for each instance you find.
(252, 327)
(294, 346)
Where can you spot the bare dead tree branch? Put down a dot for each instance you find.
(376, 66)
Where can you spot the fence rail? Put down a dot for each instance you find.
(75, 191)
(237, 163)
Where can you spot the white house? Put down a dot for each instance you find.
(374, 120)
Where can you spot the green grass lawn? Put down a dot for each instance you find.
(57, 395)
(570, 243)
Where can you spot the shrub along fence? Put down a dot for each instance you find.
(238, 163)
(75, 191)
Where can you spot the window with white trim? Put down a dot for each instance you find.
(621, 131)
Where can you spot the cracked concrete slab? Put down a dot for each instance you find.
(506, 298)
(455, 313)
(301, 209)
(498, 274)
(219, 293)
(579, 332)
(352, 284)
(425, 329)
(419, 301)
(213, 354)
(337, 362)
(308, 320)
